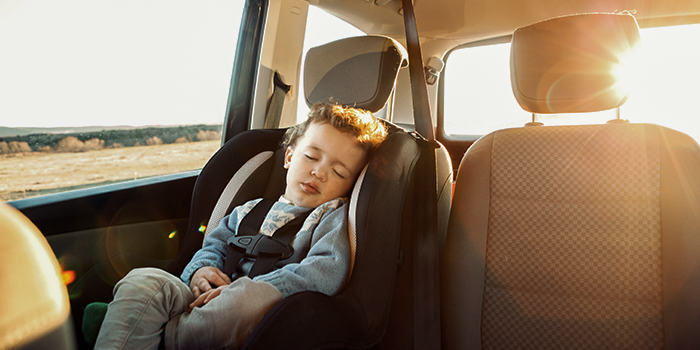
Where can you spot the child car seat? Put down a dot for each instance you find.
(359, 72)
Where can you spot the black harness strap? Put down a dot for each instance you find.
(266, 250)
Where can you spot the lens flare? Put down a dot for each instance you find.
(71, 273)
(202, 228)
(172, 234)
(68, 277)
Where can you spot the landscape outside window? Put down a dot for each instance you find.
(479, 98)
(94, 93)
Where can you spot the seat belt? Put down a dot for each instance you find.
(266, 250)
(274, 106)
(426, 252)
(419, 87)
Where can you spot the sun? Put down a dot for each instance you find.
(627, 72)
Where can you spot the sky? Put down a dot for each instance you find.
(126, 62)
(108, 62)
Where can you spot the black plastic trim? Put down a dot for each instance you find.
(245, 69)
(155, 198)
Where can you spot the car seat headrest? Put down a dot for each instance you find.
(572, 64)
(356, 72)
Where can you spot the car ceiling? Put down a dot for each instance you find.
(448, 23)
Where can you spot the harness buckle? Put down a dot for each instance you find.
(260, 244)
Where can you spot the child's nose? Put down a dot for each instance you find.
(319, 173)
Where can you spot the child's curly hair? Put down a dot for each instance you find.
(361, 124)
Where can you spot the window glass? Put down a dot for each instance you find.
(96, 92)
(321, 28)
(478, 96)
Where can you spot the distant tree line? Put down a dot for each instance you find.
(86, 141)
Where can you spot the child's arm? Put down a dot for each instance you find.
(327, 264)
(212, 254)
(213, 251)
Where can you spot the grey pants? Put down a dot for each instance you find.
(151, 303)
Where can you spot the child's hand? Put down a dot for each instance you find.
(206, 277)
(206, 297)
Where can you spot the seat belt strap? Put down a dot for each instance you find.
(274, 106)
(426, 252)
(419, 89)
(266, 250)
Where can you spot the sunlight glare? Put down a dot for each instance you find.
(626, 72)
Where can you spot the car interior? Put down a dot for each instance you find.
(538, 236)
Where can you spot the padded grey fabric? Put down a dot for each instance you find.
(224, 201)
(357, 72)
(569, 64)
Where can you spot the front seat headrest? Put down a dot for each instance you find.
(355, 72)
(571, 64)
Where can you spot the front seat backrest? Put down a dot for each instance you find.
(34, 303)
(576, 237)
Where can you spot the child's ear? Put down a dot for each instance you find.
(288, 157)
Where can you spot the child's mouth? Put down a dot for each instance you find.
(309, 188)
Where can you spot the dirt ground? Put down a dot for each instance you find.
(23, 174)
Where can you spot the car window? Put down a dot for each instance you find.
(96, 92)
(321, 28)
(478, 98)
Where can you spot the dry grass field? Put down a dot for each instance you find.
(28, 174)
